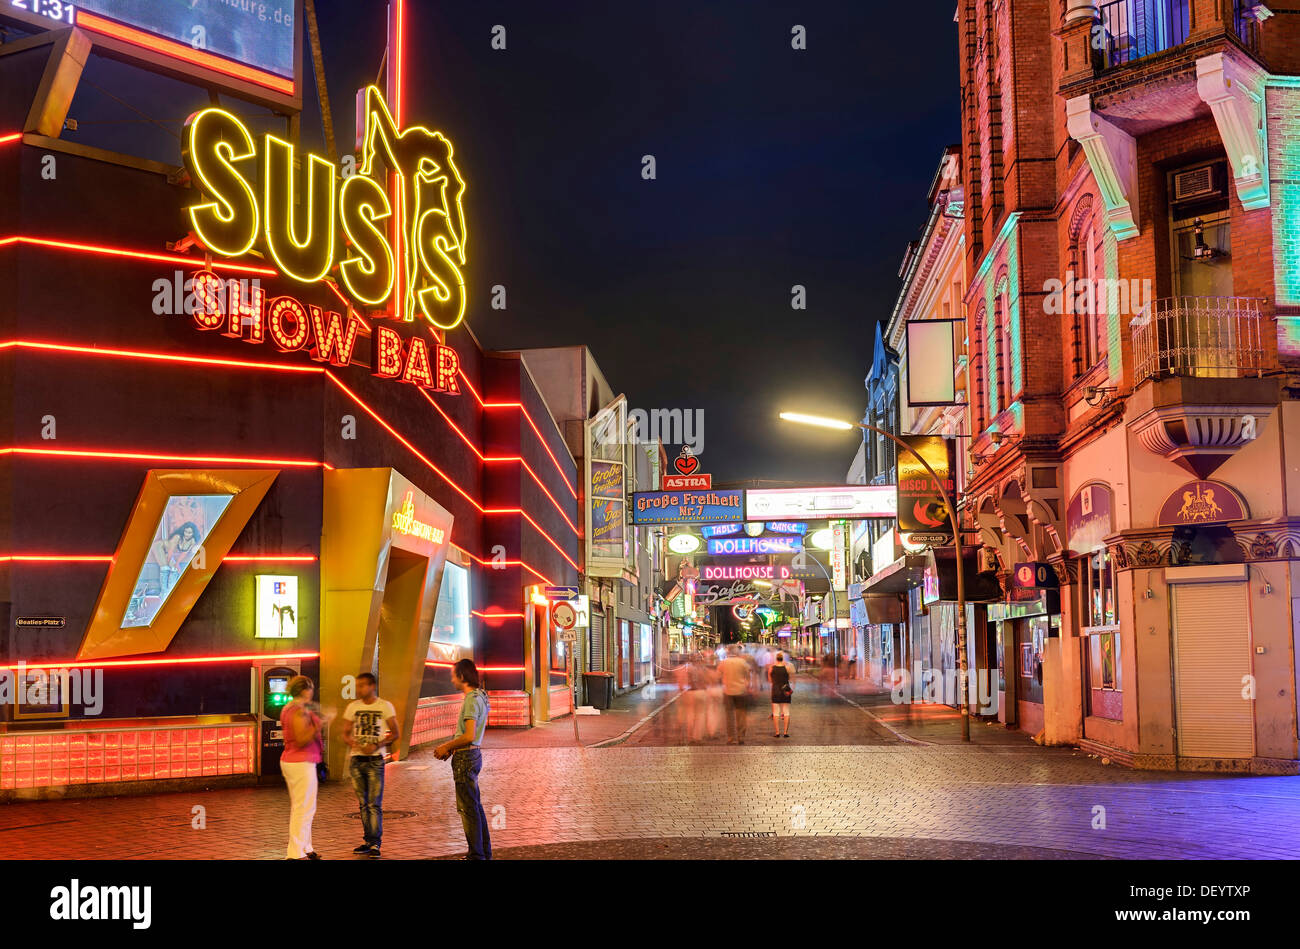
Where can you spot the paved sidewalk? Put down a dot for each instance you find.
(925, 723)
(625, 712)
(883, 800)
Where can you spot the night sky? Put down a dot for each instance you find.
(775, 167)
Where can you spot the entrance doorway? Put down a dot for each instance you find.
(399, 612)
(1211, 667)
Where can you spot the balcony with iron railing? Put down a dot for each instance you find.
(1201, 380)
(1203, 337)
(1125, 31)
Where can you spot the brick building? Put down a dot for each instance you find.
(1132, 238)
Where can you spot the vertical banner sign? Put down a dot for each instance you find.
(839, 568)
(920, 506)
(606, 491)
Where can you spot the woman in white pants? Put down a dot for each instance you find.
(302, 726)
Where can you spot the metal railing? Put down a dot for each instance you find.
(1128, 30)
(1214, 337)
(1244, 24)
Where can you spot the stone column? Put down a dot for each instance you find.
(1077, 39)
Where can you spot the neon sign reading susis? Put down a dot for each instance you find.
(300, 233)
(405, 522)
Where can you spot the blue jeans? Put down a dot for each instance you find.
(367, 773)
(465, 766)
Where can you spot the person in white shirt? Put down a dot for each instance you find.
(369, 727)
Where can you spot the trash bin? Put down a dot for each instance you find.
(600, 688)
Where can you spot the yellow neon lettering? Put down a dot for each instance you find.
(423, 163)
(309, 259)
(369, 273)
(215, 142)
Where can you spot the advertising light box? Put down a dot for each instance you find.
(240, 46)
(836, 501)
(785, 544)
(687, 507)
(746, 571)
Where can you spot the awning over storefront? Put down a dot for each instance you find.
(898, 577)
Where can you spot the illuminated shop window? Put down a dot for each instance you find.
(451, 621)
(184, 524)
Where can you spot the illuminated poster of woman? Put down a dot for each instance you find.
(184, 523)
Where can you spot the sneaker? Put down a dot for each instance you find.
(373, 852)
(313, 856)
(364, 848)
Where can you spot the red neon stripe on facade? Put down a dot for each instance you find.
(501, 458)
(56, 558)
(185, 661)
(504, 563)
(107, 558)
(158, 357)
(136, 254)
(197, 57)
(270, 558)
(442, 474)
(536, 431)
(399, 64)
(496, 615)
(532, 424)
(149, 456)
(11, 137)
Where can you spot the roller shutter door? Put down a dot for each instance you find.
(1211, 660)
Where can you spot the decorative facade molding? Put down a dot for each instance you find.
(1198, 438)
(1233, 88)
(1112, 155)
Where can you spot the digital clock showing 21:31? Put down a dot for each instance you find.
(52, 9)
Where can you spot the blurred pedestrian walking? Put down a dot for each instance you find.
(735, 687)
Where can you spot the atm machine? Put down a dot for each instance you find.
(270, 696)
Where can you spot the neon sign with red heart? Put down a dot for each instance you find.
(686, 464)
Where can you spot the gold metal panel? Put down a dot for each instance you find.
(383, 547)
(105, 638)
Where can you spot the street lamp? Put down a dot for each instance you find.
(840, 425)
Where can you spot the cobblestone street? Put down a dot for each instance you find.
(1000, 797)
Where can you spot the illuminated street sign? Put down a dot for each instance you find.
(847, 501)
(784, 544)
(687, 507)
(748, 571)
(721, 530)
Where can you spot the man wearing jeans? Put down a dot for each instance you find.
(466, 755)
(365, 722)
